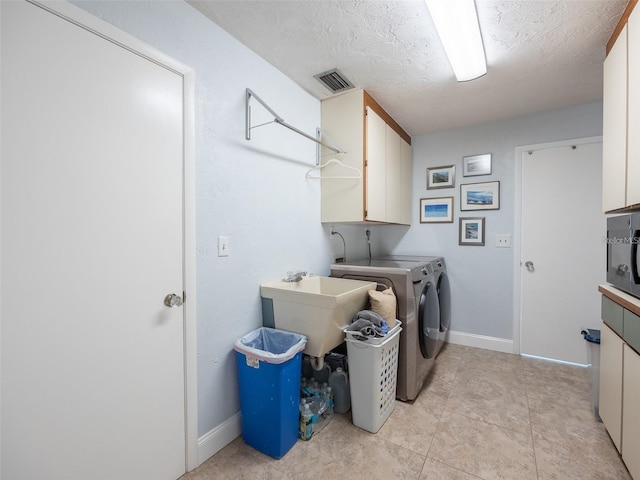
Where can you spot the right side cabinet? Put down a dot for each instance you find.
(620, 381)
(631, 411)
(621, 119)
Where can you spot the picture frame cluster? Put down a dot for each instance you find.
(473, 197)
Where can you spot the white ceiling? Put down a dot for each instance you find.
(541, 54)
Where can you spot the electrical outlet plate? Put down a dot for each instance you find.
(503, 240)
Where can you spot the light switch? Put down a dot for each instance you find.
(223, 246)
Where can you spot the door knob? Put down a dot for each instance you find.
(173, 300)
(529, 265)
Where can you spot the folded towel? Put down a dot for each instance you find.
(369, 324)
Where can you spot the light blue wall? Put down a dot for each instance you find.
(481, 277)
(254, 192)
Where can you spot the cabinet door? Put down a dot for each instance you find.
(633, 101)
(394, 176)
(631, 412)
(376, 194)
(610, 408)
(614, 136)
(406, 182)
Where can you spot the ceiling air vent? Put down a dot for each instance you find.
(334, 80)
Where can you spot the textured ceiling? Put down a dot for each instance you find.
(540, 54)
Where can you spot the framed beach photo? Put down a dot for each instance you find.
(471, 231)
(436, 210)
(475, 165)
(441, 177)
(480, 196)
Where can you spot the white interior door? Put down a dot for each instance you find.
(92, 241)
(563, 257)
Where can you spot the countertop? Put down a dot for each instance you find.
(622, 298)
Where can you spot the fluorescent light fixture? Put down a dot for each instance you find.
(459, 31)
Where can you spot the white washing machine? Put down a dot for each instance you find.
(416, 282)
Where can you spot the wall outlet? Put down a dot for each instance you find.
(332, 231)
(223, 246)
(503, 240)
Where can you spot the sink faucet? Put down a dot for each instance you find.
(294, 276)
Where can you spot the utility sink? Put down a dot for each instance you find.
(316, 307)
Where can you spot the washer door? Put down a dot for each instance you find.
(444, 299)
(429, 320)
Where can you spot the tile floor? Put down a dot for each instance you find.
(482, 415)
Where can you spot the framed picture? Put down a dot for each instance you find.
(472, 231)
(441, 177)
(475, 165)
(436, 210)
(480, 196)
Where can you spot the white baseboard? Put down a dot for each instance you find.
(480, 341)
(218, 438)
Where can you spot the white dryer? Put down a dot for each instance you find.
(416, 281)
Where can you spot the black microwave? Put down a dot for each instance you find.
(623, 235)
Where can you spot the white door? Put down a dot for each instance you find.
(92, 241)
(562, 252)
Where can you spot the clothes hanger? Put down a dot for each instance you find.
(333, 161)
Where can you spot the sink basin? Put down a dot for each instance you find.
(317, 307)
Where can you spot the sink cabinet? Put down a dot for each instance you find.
(378, 147)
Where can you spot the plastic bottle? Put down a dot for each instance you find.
(328, 399)
(306, 422)
(339, 383)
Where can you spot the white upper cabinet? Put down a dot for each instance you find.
(614, 148)
(379, 148)
(621, 120)
(633, 106)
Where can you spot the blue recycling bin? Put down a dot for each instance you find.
(269, 364)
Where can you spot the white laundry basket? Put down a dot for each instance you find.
(373, 375)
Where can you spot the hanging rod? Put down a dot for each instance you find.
(280, 121)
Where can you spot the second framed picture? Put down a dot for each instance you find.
(471, 231)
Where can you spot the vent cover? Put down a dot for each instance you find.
(334, 80)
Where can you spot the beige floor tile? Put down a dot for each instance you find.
(413, 424)
(481, 449)
(558, 422)
(480, 357)
(596, 459)
(496, 398)
(433, 470)
(554, 370)
(360, 455)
